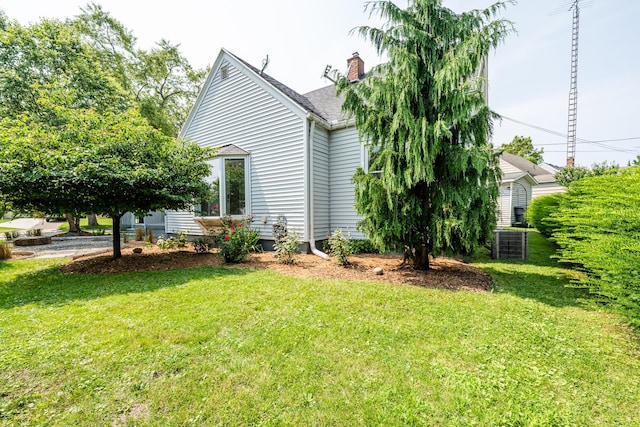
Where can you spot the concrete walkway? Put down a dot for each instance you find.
(23, 223)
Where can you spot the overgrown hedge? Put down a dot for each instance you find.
(599, 233)
(540, 210)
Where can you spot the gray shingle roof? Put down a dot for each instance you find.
(540, 174)
(292, 94)
(322, 102)
(231, 150)
(328, 103)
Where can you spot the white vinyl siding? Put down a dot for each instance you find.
(321, 185)
(546, 189)
(504, 206)
(345, 154)
(238, 111)
(513, 194)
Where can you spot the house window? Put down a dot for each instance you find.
(235, 186)
(371, 154)
(224, 72)
(230, 188)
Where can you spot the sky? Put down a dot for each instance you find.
(529, 74)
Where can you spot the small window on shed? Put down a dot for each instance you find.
(224, 72)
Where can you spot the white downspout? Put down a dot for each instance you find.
(311, 216)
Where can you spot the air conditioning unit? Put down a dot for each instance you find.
(510, 244)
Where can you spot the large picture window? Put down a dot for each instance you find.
(230, 182)
(235, 186)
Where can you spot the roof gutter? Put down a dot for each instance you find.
(310, 212)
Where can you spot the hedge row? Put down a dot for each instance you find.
(596, 225)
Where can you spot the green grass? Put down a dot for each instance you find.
(103, 224)
(212, 346)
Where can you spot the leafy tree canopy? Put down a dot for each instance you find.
(82, 161)
(95, 57)
(567, 175)
(426, 113)
(523, 147)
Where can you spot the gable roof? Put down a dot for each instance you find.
(540, 174)
(284, 89)
(231, 150)
(515, 176)
(322, 102)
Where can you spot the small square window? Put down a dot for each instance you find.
(224, 72)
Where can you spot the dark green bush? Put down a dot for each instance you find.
(540, 210)
(599, 233)
(363, 246)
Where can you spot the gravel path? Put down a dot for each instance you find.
(62, 247)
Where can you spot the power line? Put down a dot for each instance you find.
(580, 140)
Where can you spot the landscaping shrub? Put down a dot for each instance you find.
(166, 244)
(202, 245)
(363, 246)
(10, 235)
(340, 247)
(286, 243)
(238, 239)
(181, 239)
(5, 250)
(540, 210)
(34, 232)
(599, 234)
(149, 237)
(138, 234)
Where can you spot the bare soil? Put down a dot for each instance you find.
(445, 273)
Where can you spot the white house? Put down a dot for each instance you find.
(522, 181)
(281, 154)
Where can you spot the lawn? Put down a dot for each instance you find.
(215, 346)
(103, 224)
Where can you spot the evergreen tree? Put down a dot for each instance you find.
(426, 113)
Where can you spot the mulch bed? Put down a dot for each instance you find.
(445, 273)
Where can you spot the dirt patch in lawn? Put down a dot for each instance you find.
(445, 273)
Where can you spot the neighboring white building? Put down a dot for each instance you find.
(522, 181)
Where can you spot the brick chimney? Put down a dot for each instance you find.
(355, 66)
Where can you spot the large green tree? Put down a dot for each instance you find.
(161, 80)
(91, 62)
(49, 56)
(523, 146)
(89, 162)
(426, 112)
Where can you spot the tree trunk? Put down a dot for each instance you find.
(74, 227)
(116, 236)
(421, 260)
(92, 220)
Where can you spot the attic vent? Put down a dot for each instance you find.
(510, 244)
(224, 72)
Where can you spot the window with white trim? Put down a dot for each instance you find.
(371, 154)
(230, 183)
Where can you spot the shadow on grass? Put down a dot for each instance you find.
(540, 277)
(49, 286)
